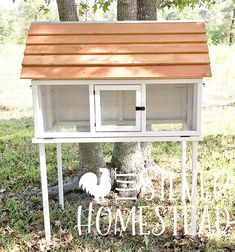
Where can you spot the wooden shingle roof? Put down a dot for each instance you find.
(121, 50)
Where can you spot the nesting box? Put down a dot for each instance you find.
(134, 81)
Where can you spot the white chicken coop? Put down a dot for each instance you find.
(116, 82)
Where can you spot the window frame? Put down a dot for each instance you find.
(114, 128)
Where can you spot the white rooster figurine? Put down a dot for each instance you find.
(88, 182)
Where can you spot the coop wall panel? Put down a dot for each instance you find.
(121, 50)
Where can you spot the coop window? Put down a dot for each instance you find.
(65, 108)
(171, 107)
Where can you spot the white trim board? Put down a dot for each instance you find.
(115, 139)
(115, 82)
(119, 134)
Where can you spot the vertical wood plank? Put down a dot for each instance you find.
(57, 107)
(60, 175)
(97, 108)
(138, 104)
(183, 172)
(120, 105)
(92, 107)
(194, 188)
(38, 115)
(143, 101)
(48, 107)
(199, 105)
(44, 185)
(190, 106)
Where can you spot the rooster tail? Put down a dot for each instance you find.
(88, 183)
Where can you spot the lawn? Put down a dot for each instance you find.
(21, 216)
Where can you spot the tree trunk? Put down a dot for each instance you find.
(232, 28)
(91, 157)
(146, 9)
(133, 157)
(126, 10)
(67, 10)
(127, 157)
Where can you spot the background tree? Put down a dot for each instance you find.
(146, 10)
(67, 10)
(133, 157)
(126, 10)
(231, 33)
(23, 13)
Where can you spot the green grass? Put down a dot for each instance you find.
(21, 217)
(21, 214)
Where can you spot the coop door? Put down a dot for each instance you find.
(118, 107)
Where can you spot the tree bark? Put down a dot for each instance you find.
(67, 10)
(91, 156)
(146, 9)
(126, 10)
(133, 157)
(232, 28)
(127, 157)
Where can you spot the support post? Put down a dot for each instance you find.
(60, 175)
(194, 188)
(183, 172)
(43, 170)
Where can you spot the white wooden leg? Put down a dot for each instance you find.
(183, 172)
(194, 189)
(60, 175)
(46, 213)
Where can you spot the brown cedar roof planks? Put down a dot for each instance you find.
(139, 72)
(110, 60)
(116, 51)
(116, 28)
(115, 39)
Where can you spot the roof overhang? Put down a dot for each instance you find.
(120, 50)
